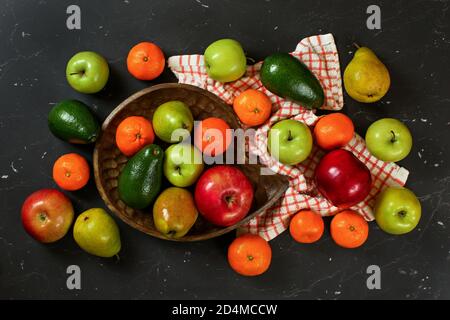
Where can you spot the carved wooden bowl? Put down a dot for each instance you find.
(109, 161)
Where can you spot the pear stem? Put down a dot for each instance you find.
(356, 45)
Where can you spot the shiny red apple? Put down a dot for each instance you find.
(223, 195)
(47, 215)
(343, 179)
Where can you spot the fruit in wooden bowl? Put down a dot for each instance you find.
(109, 161)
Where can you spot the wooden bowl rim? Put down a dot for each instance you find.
(155, 233)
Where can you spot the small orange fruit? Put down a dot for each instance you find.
(213, 136)
(146, 61)
(349, 229)
(133, 134)
(333, 131)
(306, 227)
(249, 255)
(252, 107)
(71, 172)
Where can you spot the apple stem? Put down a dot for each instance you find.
(42, 216)
(356, 45)
(402, 214)
(290, 135)
(229, 199)
(394, 138)
(75, 73)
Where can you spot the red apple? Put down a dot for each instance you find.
(223, 195)
(343, 179)
(47, 215)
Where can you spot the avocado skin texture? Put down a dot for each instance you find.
(140, 179)
(72, 121)
(288, 77)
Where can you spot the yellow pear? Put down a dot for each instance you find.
(366, 78)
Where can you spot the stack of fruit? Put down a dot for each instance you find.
(223, 195)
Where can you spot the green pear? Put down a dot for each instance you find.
(97, 233)
(366, 78)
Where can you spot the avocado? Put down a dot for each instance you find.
(140, 179)
(288, 77)
(72, 121)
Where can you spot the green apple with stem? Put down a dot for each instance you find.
(389, 140)
(87, 72)
(225, 60)
(183, 164)
(397, 210)
(173, 121)
(290, 141)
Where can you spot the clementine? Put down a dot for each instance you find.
(249, 255)
(71, 172)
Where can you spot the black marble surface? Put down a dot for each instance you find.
(35, 45)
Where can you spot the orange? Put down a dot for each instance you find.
(306, 227)
(252, 107)
(349, 229)
(333, 131)
(213, 136)
(133, 134)
(249, 255)
(146, 61)
(71, 172)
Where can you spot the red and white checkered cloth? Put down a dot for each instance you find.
(319, 53)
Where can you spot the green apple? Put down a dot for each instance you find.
(290, 141)
(225, 60)
(389, 140)
(397, 210)
(173, 121)
(182, 164)
(97, 233)
(87, 72)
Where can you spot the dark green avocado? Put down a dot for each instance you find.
(72, 121)
(140, 179)
(288, 77)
